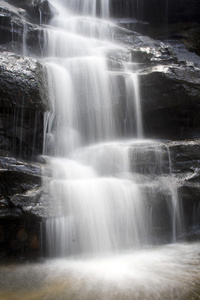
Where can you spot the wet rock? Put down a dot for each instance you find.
(125, 36)
(184, 10)
(175, 84)
(36, 11)
(190, 36)
(21, 208)
(185, 156)
(149, 52)
(169, 89)
(170, 98)
(21, 133)
(31, 203)
(178, 19)
(23, 100)
(19, 238)
(13, 23)
(11, 27)
(17, 34)
(28, 199)
(156, 11)
(150, 158)
(169, 85)
(185, 165)
(189, 195)
(5, 143)
(34, 242)
(165, 169)
(22, 235)
(22, 83)
(17, 177)
(10, 214)
(20, 189)
(180, 158)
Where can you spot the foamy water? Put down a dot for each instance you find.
(164, 272)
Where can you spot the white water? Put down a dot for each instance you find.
(166, 272)
(24, 39)
(96, 203)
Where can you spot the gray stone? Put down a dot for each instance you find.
(22, 82)
(36, 11)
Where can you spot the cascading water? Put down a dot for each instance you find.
(97, 206)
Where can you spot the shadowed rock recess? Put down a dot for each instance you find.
(164, 49)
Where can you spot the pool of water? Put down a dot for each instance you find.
(164, 272)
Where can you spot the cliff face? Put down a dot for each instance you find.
(157, 11)
(23, 102)
(162, 19)
(170, 98)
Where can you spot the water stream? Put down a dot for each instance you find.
(97, 206)
(97, 209)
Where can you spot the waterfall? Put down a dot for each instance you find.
(97, 202)
(88, 7)
(24, 50)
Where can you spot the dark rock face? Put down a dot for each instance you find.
(186, 168)
(185, 156)
(174, 104)
(17, 34)
(20, 238)
(169, 86)
(157, 11)
(162, 19)
(37, 11)
(20, 208)
(23, 100)
(23, 92)
(22, 83)
(165, 170)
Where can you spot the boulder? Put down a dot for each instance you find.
(23, 101)
(23, 83)
(170, 97)
(175, 85)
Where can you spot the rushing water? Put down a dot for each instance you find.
(97, 209)
(97, 206)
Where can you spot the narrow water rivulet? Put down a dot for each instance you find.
(115, 217)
